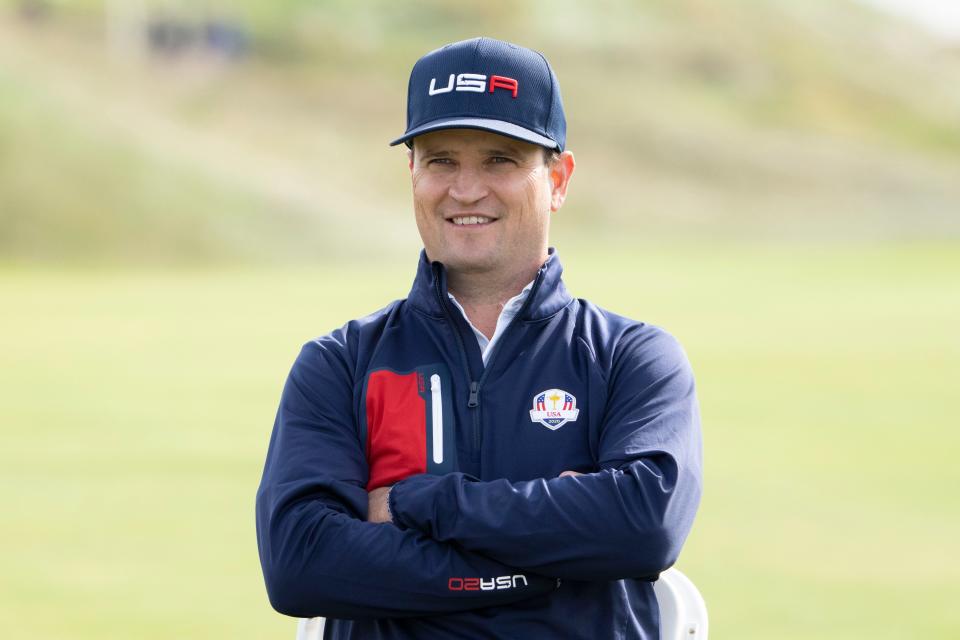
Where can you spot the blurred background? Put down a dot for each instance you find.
(191, 190)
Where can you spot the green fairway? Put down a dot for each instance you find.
(136, 409)
(767, 180)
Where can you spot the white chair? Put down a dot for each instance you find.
(683, 613)
(310, 629)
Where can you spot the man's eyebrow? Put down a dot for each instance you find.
(505, 150)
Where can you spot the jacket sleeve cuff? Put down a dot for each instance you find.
(411, 501)
(392, 506)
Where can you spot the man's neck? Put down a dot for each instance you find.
(483, 295)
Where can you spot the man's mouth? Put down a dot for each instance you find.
(471, 220)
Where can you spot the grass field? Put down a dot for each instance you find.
(136, 407)
(136, 401)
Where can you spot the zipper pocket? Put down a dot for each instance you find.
(436, 403)
(440, 452)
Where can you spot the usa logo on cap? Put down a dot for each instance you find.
(486, 84)
(476, 82)
(554, 408)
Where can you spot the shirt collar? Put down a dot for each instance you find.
(548, 293)
(507, 314)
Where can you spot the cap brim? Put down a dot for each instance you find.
(496, 126)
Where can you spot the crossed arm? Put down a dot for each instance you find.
(378, 506)
(323, 553)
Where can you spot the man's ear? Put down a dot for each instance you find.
(410, 159)
(561, 170)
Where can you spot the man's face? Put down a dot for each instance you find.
(483, 201)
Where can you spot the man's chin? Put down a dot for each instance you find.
(471, 264)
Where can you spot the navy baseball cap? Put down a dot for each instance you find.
(486, 84)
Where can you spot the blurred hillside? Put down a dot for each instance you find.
(198, 134)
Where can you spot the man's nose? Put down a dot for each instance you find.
(468, 186)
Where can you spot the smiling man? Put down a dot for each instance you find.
(489, 457)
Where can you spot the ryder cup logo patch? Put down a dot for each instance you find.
(554, 408)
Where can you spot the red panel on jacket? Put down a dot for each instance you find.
(396, 427)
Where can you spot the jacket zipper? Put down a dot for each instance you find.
(476, 386)
(474, 403)
(472, 400)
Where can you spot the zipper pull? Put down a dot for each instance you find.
(474, 395)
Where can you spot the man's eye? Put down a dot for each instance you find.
(440, 161)
(500, 159)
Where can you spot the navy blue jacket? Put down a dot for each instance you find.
(487, 541)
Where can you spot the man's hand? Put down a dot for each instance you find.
(378, 509)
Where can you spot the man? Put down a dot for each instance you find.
(489, 457)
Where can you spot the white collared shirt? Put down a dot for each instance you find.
(508, 313)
